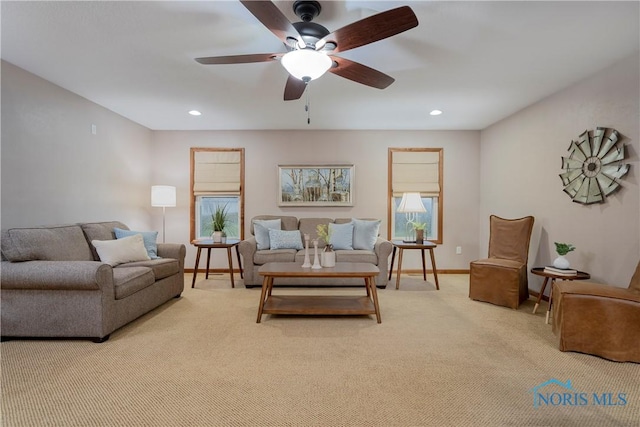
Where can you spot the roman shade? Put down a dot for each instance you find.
(416, 172)
(216, 172)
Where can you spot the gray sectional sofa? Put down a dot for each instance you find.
(254, 258)
(54, 284)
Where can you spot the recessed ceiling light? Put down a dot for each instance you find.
(195, 113)
(435, 112)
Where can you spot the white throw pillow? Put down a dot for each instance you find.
(119, 251)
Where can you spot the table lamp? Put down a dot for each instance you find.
(411, 204)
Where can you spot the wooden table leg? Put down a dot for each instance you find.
(374, 293)
(239, 261)
(206, 276)
(366, 285)
(399, 268)
(550, 297)
(393, 257)
(435, 269)
(544, 285)
(424, 266)
(230, 266)
(195, 270)
(263, 296)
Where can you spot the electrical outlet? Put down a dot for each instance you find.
(94, 130)
(458, 250)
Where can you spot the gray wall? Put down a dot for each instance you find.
(54, 170)
(521, 160)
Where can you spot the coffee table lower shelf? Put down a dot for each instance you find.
(318, 305)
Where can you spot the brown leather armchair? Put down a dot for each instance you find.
(501, 278)
(598, 319)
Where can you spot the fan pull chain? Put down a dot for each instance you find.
(307, 107)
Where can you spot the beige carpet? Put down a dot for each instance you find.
(437, 359)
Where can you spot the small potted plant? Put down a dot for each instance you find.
(562, 249)
(328, 256)
(219, 223)
(419, 228)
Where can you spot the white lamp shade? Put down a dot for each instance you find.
(306, 63)
(411, 203)
(163, 196)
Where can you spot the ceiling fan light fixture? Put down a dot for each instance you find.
(306, 64)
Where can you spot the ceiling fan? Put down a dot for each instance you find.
(311, 47)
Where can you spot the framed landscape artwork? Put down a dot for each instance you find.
(323, 185)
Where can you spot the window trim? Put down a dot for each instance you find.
(440, 152)
(192, 196)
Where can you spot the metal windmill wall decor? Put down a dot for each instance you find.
(594, 166)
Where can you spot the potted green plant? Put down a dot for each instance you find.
(219, 222)
(562, 249)
(419, 228)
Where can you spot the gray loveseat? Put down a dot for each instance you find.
(253, 258)
(54, 285)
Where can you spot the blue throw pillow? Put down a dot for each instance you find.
(148, 237)
(261, 231)
(283, 239)
(341, 236)
(365, 233)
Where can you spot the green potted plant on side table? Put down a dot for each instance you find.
(219, 223)
(419, 228)
(562, 249)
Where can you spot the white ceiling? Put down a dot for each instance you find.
(479, 62)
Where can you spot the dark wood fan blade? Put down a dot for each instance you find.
(372, 29)
(294, 89)
(271, 17)
(240, 59)
(359, 73)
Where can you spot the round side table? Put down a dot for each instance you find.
(539, 271)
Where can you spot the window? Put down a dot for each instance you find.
(217, 179)
(417, 170)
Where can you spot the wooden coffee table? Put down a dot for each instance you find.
(316, 304)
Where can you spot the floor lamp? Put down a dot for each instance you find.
(163, 196)
(411, 204)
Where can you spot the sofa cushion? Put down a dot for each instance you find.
(341, 236)
(57, 243)
(357, 256)
(261, 229)
(274, 255)
(127, 249)
(284, 239)
(310, 225)
(365, 233)
(100, 231)
(128, 281)
(148, 237)
(287, 222)
(161, 267)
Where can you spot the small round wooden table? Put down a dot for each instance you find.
(399, 244)
(539, 271)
